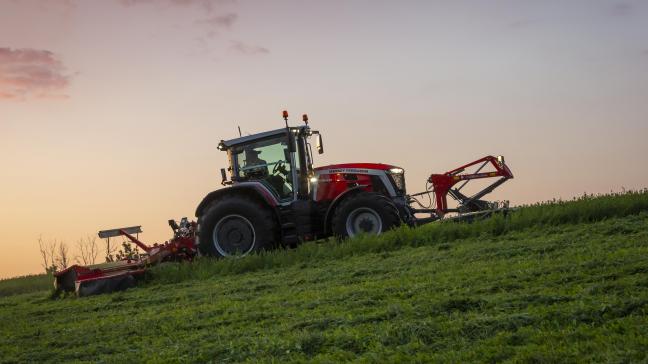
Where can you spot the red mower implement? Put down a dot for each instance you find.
(122, 274)
(466, 205)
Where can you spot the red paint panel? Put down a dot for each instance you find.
(330, 186)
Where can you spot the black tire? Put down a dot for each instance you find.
(244, 226)
(364, 212)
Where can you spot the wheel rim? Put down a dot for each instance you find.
(234, 235)
(363, 220)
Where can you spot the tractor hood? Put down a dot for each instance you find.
(379, 166)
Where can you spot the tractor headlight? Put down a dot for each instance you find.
(313, 179)
(397, 176)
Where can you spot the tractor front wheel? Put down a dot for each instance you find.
(235, 226)
(364, 213)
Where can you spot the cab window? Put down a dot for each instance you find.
(267, 161)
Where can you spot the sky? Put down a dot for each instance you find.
(111, 110)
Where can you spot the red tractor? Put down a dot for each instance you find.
(276, 197)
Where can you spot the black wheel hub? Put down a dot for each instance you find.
(366, 225)
(234, 235)
(363, 220)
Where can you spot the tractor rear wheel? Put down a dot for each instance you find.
(364, 213)
(235, 226)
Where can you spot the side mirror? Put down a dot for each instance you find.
(319, 144)
(223, 176)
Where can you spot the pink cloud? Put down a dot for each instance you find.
(31, 73)
(208, 5)
(241, 47)
(214, 20)
(220, 21)
(621, 9)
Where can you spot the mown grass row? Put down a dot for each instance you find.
(585, 209)
(25, 284)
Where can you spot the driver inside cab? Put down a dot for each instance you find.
(257, 169)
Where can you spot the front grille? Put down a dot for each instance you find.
(398, 179)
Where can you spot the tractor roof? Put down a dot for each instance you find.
(251, 138)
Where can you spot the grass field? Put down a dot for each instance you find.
(566, 282)
(25, 284)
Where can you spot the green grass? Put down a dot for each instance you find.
(566, 282)
(25, 284)
(549, 214)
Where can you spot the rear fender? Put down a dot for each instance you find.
(252, 189)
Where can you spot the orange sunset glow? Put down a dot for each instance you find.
(111, 111)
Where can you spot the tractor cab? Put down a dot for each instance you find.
(280, 159)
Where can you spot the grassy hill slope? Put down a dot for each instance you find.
(560, 283)
(25, 284)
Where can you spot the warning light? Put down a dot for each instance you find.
(285, 114)
(305, 118)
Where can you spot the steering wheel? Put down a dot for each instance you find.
(279, 167)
